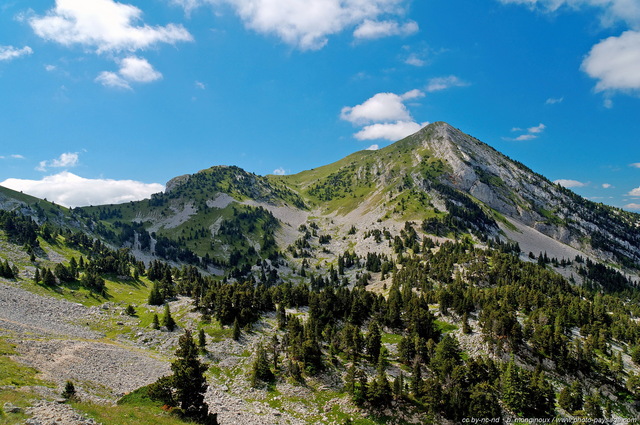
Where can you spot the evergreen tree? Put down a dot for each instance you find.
(155, 296)
(69, 392)
(236, 329)
(202, 340)
(155, 323)
(260, 371)
(189, 381)
(48, 278)
(167, 319)
(374, 342)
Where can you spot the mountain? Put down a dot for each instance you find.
(477, 287)
(448, 182)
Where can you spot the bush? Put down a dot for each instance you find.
(69, 392)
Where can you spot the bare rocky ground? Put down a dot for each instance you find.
(53, 336)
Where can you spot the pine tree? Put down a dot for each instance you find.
(155, 323)
(202, 340)
(236, 329)
(167, 320)
(190, 383)
(260, 371)
(69, 392)
(155, 296)
(416, 378)
(374, 342)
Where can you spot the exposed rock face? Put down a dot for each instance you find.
(519, 193)
(176, 182)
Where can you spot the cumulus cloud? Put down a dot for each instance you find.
(111, 79)
(569, 183)
(381, 107)
(373, 148)
(279, 171)
(632, 206)
(378, 29)
(635, 192)
(138, 70)
(200, 85)
(132, 69)
(615, 63)
(389, 131)
(107, 26)
(606, 186)
(384, 116)
(308, 24)
(14, 156)
(103, 25)
(443, 83)
(635, 165)
(71, 190)
(65, 160)
(8, 53)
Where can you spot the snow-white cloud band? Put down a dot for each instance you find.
(70, 190)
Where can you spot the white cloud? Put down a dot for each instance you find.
(525, 137)
(569, 183)
(443, 83)
(68, 159)
(103, 25)
(537, 129)
(554, 100)
(531, 133)
(200, 85)
(70, 190)
(389, 131)
(378, 29)
(14, 156)
(635, 192)
(132, 69)
(635, 165)
(111, 79)
(384, 116)
(279, 171)
(606, 186)
(415, 60)
(188, 5)
(50, 68)
(8, 53)
(632, 206)
(138, 70)
(613, 11)
(308, 24)
(381, 107)
(615, 63)
(373, 148)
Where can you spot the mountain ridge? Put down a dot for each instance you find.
(451, 182)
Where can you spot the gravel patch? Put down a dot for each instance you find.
(23, 312)
(54, 413)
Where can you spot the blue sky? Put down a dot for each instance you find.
(104, 101)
